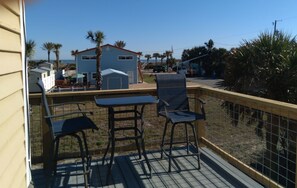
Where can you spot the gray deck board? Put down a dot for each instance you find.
(130, 171)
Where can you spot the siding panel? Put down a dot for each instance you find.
(10, 105)
(12, 131)
(9, 41)
(9, 19)
(15, 160)
(9, 128)
(10, 62)
(13, 5)
(7, 88)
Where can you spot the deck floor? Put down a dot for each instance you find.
(129, 171)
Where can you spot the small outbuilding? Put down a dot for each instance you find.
(114, 79)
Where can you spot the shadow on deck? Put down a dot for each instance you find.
(129, 171)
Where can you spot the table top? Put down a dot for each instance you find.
(125, 100)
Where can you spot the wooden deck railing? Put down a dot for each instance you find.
(256, 135)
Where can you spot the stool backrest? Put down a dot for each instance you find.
(172, 89)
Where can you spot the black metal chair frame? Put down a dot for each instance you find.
(174, 106)
(62, 128)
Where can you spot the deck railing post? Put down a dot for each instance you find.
(296, 163)
(46, 141)
(200, 125)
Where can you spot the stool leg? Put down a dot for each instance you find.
(136, 132)
(56, 152)
(196, 144)
(82, 153)
(163, 138)
(105, 153)
(144, 154)
(111, 157)
(170, 148)
(187, 137)
(136, 139)
(87, 155)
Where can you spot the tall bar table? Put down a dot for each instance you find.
(138, 102)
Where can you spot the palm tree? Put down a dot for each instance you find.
(156, 56)
(57, 47)
(30, 48)
(73, 53)
(209, 45)
(168, 55)
(162, 56)
(120, 44)
(266, 67)
(49, 46)
(147, 56)
(97, 38)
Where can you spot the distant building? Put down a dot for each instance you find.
(113, 79)
(112, 57)
(46, 72)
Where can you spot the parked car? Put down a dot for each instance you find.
(159, 68)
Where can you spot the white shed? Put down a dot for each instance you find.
(114, 79)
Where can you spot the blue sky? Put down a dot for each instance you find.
(152, 26)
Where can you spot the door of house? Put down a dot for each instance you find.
(131, 77)
(85, 78)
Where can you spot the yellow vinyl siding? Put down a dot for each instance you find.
(7, 88)
(12, 5)
(8, 18)
(9, 41)
(10, 128)
(15, 171)
(11, 61)
(10, 105)
(12, 122)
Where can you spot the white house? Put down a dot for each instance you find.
(44, 71)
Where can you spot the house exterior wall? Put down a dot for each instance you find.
(44, 71)
(109, 59)
(86, 66)
(13, 161)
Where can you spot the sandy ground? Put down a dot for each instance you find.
(190, 81)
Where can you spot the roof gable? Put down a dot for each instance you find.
(112, 46)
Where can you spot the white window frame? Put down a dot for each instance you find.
(91, 59)
(125, 59)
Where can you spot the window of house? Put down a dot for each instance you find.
(88, 57)
(125, 57)
(94, 75)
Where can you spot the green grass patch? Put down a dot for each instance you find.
(149, 78)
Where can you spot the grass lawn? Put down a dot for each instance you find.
(149, 78)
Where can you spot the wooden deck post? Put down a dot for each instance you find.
(46, 140)
(200, 125)
(296, 164)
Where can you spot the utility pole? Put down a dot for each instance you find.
(274, 23)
